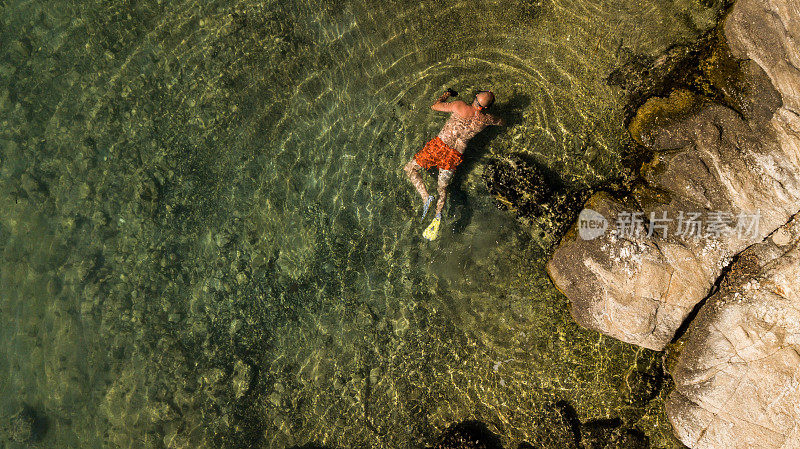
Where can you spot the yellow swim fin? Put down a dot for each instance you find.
(433, 229)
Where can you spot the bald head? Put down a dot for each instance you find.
(484, 99)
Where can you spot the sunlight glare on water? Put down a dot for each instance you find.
(208, 239)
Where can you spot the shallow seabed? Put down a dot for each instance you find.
(208, 241)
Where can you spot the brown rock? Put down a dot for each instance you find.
(707, 158)
(737, 380)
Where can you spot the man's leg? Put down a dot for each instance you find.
(412, 170)
(445, 176)
(432, 231)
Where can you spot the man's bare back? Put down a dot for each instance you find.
(458, 130)
(444, 152)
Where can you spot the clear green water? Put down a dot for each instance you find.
(208, 241)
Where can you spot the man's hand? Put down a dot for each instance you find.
(440, 104)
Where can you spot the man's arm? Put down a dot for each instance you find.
(441, 106)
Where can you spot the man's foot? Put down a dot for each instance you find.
(427, 206)
(433, 229)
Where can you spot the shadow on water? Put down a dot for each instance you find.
(609, 432)
(459, 205)
(570, 417)
(468, 435)
(463, 435)
(604, 432)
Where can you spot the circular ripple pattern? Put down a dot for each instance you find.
(208, 239)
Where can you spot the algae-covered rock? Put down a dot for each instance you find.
(3, 99)
(518, 184)
(536, 196)
(658, 112)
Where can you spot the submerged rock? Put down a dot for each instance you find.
(20, 429)
(518, 185)
(536, 196)
(640, 285)
(242, 379)
(736, 379)
(27, 426)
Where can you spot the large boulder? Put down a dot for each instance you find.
(737, 379)
(639, 280)
(768, 32)
(639, 288)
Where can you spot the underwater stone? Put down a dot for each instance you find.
(84, 191)
(241, 278)
(21, 429)
(276, 399)
(7, 70)
(54, 285)
(18, 52)
(99, 218)
(242, 378)
(10, 147)
(161, 411)
(29, 184)
(213, 376)
(522, 186)
(363, 317)
(518, 185)
(221, 239)
(374, 375)
(236, 326)
(27, 426)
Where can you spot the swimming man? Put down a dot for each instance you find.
(445, 150)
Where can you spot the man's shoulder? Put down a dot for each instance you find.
(461, 108)
(460, 105)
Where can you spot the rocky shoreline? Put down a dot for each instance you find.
(643, 279)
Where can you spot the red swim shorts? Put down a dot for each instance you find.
(437, 153)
